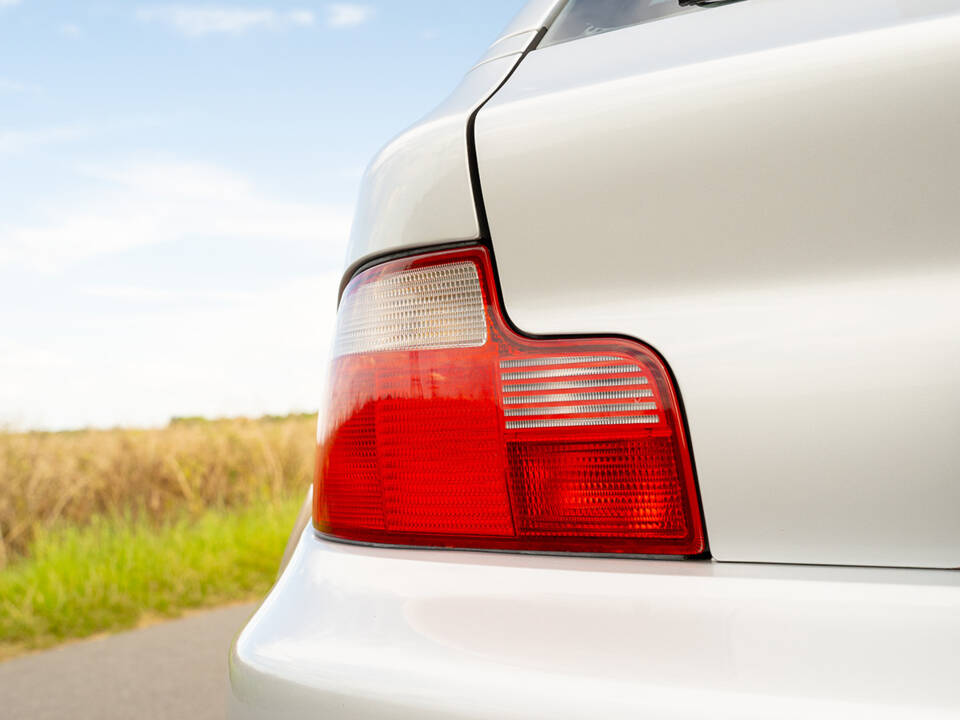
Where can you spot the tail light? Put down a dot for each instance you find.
(446, 428)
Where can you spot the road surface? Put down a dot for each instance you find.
(176, 669)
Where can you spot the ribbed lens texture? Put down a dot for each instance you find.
(607, 489)
(418, 450)
(445, 430)
(417, 309)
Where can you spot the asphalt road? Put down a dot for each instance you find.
(176, 669)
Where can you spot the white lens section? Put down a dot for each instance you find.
(579, 409)
(577, 397)
(571, 372)
(582, 422)
(562, 360)
(577, 384)
(422, 309)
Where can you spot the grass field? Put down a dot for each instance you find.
(101, 530)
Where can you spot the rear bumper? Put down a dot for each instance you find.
(355, 632)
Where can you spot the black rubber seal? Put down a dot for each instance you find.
(482, 222)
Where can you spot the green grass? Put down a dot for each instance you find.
(114, 573)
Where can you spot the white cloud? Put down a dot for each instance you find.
(9, 3)
(154, 202)
(197, 20)
(70, 30)
(10, 86)
(341, 15)
(15, 141)
(252, 354)
(300, 17)
(134, 293)
(139, 353)
(150, 295)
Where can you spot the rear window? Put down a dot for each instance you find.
(581, 18)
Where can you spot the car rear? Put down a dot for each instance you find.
(644, 395)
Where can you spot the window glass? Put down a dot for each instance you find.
(581, 18)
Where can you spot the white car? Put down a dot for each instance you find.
(661, 311)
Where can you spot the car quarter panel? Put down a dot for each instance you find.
(767, 194)
(417, 190)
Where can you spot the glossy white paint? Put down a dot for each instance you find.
(368, 633)
(509, 45)
(534, 14)
(417, 190)
(767, 193)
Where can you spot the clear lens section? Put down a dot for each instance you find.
(569, 372)
(581, 384)
(569, 360)
(578, 409)
(574, 397)
(581, 422)
(620, 373)
(421, 309)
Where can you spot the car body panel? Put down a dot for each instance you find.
(511, 45)
(767, 194)
(358, 632)
(417, 190)
(533, 15)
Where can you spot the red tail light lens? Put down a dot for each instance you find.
(445, 428)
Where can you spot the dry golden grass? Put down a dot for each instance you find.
(48, 480)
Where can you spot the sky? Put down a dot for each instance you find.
(177, 183)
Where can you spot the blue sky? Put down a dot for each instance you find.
(177, 182)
